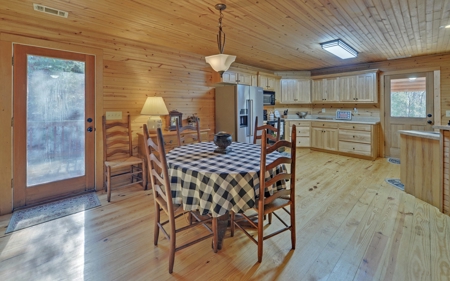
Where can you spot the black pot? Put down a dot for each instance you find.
(222, 140)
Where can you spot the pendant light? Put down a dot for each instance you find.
(220, 62)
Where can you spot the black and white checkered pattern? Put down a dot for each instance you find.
(217, 183)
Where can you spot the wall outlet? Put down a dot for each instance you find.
(447, 113)
(113, 115)
(323, 110)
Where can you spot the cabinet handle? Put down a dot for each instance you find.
(356, 98)
(353, 136)
(353, 127)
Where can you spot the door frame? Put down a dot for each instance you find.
(436, 99)
(6, 112)
(30, 195)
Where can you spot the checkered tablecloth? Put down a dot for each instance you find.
(217, 183)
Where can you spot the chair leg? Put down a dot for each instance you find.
(144, 176)
(108, 183)
(270, 218)
(156, 226)
(216, 234)
(232, 223)
(260, 235)
(132, 175)
(293, 230)
(172, 247)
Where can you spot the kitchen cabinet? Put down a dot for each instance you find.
(325, 90)
(352, 87)
(269, 82)
(358, 139)
(237, 77)
(420, 169)
(324, 136)
(295, 91)
(302, 132)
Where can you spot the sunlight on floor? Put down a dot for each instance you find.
(39, 260)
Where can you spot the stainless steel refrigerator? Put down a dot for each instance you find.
(236, 109)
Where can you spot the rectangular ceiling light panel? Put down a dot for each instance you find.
(51, 11)
(339, 48)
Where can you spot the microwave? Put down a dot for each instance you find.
(268, 98)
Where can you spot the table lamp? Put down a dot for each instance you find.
(155, 107)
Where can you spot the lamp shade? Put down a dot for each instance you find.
(339, 48)
(220, 62)
(154, 106)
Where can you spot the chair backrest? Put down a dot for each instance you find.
(188, 131)
(116, 139)
(155, 155)
(259, 129)
(284, 175)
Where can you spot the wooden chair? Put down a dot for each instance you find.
(269, 137)
(280, 200)
(118, 154)
(159, 179)
(188, 131)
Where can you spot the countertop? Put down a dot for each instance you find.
(358, 120)
(442, 127)
(422, 134)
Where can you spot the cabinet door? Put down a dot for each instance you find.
(271, 83)
(244, 78)
(254, 80)
(347, 88)
(262, 82)
(317, 137)
(331, 89)
(366, 88)
(288, 88)
(303, 91)
(330, 139)
(317, 90)
(229, 77)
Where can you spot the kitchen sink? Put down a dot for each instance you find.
(325, 118)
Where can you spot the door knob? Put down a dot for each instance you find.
(89, 129)
(430, 115)
(89, 120)
(430, 122)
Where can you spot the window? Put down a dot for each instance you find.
(408, 97)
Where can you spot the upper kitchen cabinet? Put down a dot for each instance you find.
(354, 87)
(236, 77)
(325, 90)
(295, 91)
(269, 82)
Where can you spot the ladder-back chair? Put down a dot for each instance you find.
(280, 200)
(188, 131)
(269, 138)
(118, 154)
(159, 178)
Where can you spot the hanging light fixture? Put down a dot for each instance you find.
(220, 62)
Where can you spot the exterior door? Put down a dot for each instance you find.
(53, 124)
(408, 106)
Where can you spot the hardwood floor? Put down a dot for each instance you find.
(351, 225)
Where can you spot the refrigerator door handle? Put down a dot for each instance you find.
(250, 121)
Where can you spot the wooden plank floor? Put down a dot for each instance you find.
(351, 225)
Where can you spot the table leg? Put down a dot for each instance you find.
(219, 225)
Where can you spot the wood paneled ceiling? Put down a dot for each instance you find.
(275, 35)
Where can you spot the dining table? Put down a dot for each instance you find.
(215, 183)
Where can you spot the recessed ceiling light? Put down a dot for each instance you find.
(447, 26)
(412, 78)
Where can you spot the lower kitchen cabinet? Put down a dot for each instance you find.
(302, 132)
(324, 136)
(359, 139)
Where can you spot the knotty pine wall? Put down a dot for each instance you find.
(132, 71)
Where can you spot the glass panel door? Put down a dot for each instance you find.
(53, 124)
(55, 119)
(408, 106)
